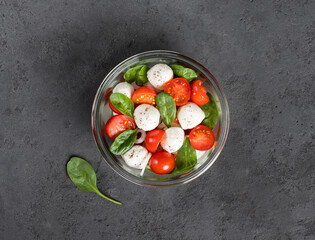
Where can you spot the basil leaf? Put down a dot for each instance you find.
(167, 108)
(124, 142)
(122, 103)
(138, 74)
(211, 112)
(130, 75)
(83, 176)
(183, 72)
(186, 158)
(141, 75)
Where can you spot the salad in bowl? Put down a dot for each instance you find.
(160, 119)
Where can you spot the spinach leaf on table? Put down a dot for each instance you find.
(211, 112)
(83, 176)
(183, 72)
(124, 142)
(138, 74)
(122, 103)
(186, 158)
(167, 108)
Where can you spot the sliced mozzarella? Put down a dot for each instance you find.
(173, 139)
(160, 74)
(137, 157)
(124, 88)
(190, 115)
(146, 117)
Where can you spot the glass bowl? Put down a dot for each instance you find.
(101, 113)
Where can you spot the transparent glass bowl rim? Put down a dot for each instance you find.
(187, 178)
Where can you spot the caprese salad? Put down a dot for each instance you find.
(163, 118)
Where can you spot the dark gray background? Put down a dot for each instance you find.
(53, 56)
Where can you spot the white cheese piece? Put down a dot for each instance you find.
(146, 117)
(137, 157)
(173, 139)
(159, 74)
(124, 88)
(190, 115)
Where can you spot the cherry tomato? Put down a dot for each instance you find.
(118, 124)
(153, 138)
(201, 138)
(112, 107)
(144, 95)
(199, 93)
(162, 162)
(179, 89)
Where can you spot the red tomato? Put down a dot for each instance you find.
(118, 124)
(153, 138)
(179, 89)
(201, 138)
(198, 93)
(162, 162)
(144, 95)
(112, 107)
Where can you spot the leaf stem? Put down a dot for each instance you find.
(108, 198)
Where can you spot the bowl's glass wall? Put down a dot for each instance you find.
(101, 113)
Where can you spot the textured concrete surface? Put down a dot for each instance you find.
(53, 56)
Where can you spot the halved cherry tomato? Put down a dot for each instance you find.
(112, 107)
(118, 124)
(179, 89)
(162, 162)
(201, 138)
(153, 138)
(144, 95)
(199, 93)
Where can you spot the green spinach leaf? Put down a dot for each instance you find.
(130, 75)
(122, 103)
(82, 174)
(167, 108)
(183, 72)
(211, 112)
(141, 76)
(124, 142)
(186, 158)
(138, 74)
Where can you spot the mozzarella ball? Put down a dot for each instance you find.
(173, 139)
(190, 115)
(124, 88)
(160, 74)
(146, 117)
(137, 157)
